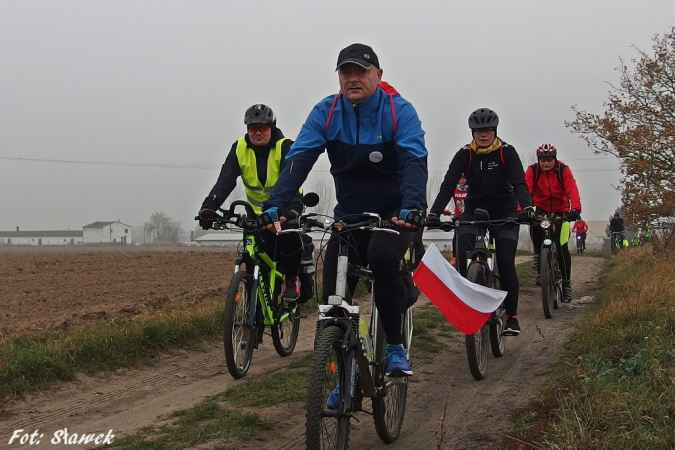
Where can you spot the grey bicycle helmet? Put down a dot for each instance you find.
(260, 114)
(483, 118)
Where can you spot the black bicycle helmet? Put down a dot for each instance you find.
(483, 118)
(260, 114)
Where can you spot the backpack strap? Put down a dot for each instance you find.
(558, 168)
(330, 111)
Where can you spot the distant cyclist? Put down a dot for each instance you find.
(257, 157)
(458, 197)
(616, 226)
(580, 228)
(495, 174)
(554, 190)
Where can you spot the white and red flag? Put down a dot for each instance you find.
(466, 305)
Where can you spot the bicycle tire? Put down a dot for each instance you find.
(497, 321)
(477, 343)
(389, 408)
(237, 338)
(324, 429)
(285, 334)
(580, 247)
(557, 284)
(547, 282)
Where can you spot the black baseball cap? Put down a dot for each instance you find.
(360, 54)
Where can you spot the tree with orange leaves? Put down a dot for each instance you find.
(639, 129)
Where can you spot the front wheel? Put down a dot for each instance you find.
(477, 343)
(238, 338)
(389, 406)
(580, 246)
(497, 321)
(548, 291)
(285, 334)
(326, 426)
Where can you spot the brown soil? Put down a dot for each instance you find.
(53, 289)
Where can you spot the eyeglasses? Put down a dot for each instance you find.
(483, 131)
(255, 128)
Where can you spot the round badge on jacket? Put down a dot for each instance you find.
(376, 157)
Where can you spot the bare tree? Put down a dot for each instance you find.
(163, 230)
(639, 129)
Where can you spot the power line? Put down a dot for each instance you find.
(110, 163)
(205, 166)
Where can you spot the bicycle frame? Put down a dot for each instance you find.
(341, 312)
(264, 287)
(267, 280)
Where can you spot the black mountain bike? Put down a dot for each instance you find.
(349, 353)
(482, 269)
(580, 243)
(253, 298)
(550, 274)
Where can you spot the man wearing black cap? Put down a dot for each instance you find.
(375, 144)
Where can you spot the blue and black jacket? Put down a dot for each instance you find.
(378, 156)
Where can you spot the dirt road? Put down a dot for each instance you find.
(476, 412)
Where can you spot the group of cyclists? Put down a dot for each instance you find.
(378, 160)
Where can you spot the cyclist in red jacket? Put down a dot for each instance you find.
(580, 228)
(553, 190)
(458, 208)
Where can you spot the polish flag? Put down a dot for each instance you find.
(466, 305)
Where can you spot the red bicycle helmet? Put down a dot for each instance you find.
(546, 150)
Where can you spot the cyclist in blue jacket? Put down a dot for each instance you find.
(375, 145)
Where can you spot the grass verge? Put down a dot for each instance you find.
(33, 362)
(614, 384)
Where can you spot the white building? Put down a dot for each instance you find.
(56, 237)
(107, 232)
(94, 233)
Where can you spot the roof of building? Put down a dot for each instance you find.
(53, 233)
(103, 224)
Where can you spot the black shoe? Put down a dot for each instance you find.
(512, 327)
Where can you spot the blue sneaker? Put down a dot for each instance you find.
(396, 361)
(333, 401)
(537, 280)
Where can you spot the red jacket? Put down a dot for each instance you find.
(580, 227)
(549, 194)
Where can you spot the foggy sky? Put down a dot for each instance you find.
(114, 110)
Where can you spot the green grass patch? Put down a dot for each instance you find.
(32, 362)
(525, 271)
(222, 420)
(430, 327)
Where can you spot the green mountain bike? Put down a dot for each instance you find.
(253, 300)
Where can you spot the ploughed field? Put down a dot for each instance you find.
(58, 287)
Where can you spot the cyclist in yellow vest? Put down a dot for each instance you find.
(257, 158)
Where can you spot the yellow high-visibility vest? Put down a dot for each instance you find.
(256, 193)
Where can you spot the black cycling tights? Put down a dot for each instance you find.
(382, 252)
(506, 242)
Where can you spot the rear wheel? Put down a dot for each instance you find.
(327, 428)
(238, 339)
(548, 291)
(477, 343)
(389, 407)
(285, 335)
